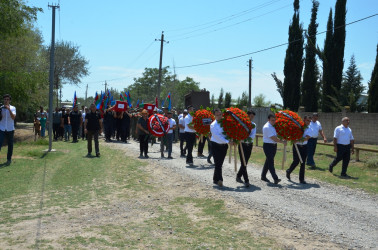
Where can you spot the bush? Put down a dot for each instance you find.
(372, 163)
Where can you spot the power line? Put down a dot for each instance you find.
(269, 48)
(227, 18)
(231, 25)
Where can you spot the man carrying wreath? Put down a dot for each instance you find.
(219, 145)
(270, 148)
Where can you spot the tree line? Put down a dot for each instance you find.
(328, 89)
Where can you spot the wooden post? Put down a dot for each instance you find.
(229, 155)
(299, 155)
(357, 154)
(257, 141)
(242, 154)
(284, 157)
(235, 158)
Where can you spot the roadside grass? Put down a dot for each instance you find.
(363, 176)
(39, 185)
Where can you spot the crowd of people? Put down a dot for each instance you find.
(89, 123)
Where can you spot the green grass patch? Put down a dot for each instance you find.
(363, 176)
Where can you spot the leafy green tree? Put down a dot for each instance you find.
(14, 14)
(279, 84)
(373, 88)
(259, 101)
(351, 88)
(220, 99)
(243, 100)
(212, 101)
(70, 66)
(293, 63)
(310, 89)
(227, 100)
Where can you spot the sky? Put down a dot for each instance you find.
(117, 37)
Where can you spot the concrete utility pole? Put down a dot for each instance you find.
(105, 86)
(86, 93)
(51, 76)
(160, 62)
(250, 84)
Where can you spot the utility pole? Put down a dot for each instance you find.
(86, 93)
(105, 86)
(51, 76)
(250, 84)
(160, 62)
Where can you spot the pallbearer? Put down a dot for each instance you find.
(219, 145)
(190, 135)
(247, 149)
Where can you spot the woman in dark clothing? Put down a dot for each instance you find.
(125, 123)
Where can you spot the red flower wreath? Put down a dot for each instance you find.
(289, 125)
(154, 126)
(234, 129)
(197, 121)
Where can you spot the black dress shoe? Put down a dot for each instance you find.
(345, 176)
(246, 184)
(330, 169)
(265, 179)
(209, 161)
(303, 182)
(170, 157)
(288, 175)
(238, 179)
(146, 156)
(276, 181)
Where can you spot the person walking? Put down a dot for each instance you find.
(109, 116)
(343, 142)
(143, 133)
(93, 128)
(182, 133)
(57, 116)
(315, 129)
(7, 117)
(247, 146)
(172, 127)
(302, 148)
(190, 135)
(219, 145)
(43, 121)
(270, 148)
(67, 125)
(76, 122)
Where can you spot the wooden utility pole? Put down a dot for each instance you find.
(250, 84)
(160, 62)
(105, 86)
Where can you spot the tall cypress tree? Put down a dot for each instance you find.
(373, 88)
(327, 56)
(293, 63)
(338, 45)
(310, 90)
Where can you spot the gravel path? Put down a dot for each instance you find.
(348, 217)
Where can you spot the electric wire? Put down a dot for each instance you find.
(272, 47)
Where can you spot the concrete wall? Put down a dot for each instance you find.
(364, 125)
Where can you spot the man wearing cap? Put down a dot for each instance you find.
(343, 142)
(169, 136)
(315, 129)
(93, 128)
(182, 133)
(190, 135)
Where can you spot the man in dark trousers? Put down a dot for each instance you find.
(247, 146)
(76, 122)
(109, 116)
(57, 117)
(92, 128)
(7, 115)
(343, 142)
(219, 145)
(190, 135)
(270, 148)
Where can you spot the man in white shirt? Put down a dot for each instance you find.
(302, 148)
(219, 145)
(315, 129)
(182, 133)
(190, 135)
(172, 127)
(343, 142)
(247, 146)
(8, 114)
(270, 148)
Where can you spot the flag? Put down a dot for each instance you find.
(168, 100)
(121, 98)
(142, 104)
(99, 101)
(137, 104)
(129, 99)
(96, 98)
(156, 103)
(162, 103)
(74, 100)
